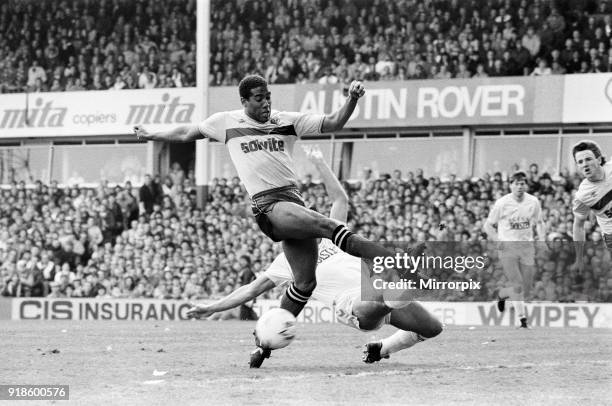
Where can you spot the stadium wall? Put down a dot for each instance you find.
(583, 315)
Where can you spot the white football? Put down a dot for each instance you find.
(275, 329)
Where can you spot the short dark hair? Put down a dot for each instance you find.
(518, 176)
(586, 145)
(248, 83)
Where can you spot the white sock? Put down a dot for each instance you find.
(519, 306)
(517, 301)
(400, 341)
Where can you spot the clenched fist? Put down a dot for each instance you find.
(356, 89)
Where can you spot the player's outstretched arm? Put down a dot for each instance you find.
(185, 133)
(340, 200)
(241, 295)
(578, 235)
(336, 120)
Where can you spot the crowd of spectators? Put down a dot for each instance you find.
(124, 44)
(153, 241)
(74, 45)
(409, 208)
(335, 41)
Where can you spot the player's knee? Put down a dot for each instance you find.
(371, 315)
(433, 329)
(307, 286)
(369, 325)
(437, 328)
(327, 225)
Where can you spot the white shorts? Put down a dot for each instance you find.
(343, 307)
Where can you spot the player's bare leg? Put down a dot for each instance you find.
(416, 318)
(415, 325)
(292, 221)
(414, 322)
(302, 257)
(370, 314)
(298, 227)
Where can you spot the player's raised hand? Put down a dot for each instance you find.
(356, 89)
(141, 133)
(198, 311)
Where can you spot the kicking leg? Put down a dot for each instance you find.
(292, 221)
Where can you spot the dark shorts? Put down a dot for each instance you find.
(608, 240)
(263, 202)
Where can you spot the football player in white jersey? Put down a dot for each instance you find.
(338, 286)
(260, 142)
(593, 195)
(515, 215)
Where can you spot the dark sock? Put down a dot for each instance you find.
(357, 246)
(294, 300)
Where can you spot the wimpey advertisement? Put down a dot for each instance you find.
(94, 112)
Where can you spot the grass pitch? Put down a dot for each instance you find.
(205, 363)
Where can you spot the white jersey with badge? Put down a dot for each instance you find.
(261, 152)
(596, 196)
(515, 220)
(337, 272)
